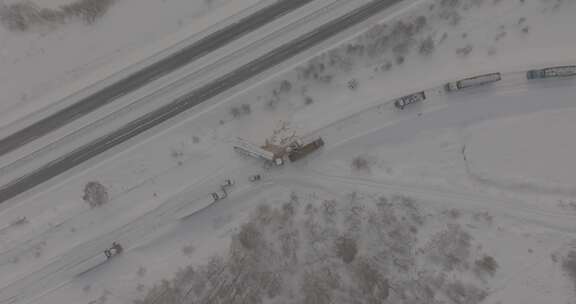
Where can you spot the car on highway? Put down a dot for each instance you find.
(403, 101)
(113, 251)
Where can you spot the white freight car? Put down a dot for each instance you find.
(552, 72)
(473, 82)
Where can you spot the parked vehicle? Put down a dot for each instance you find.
(302, 150)
(552, 72)
(473, 82)
(219, 195)
(228, 183)
(116, 249)
(401, 102)
(247, 148)
(255, 178)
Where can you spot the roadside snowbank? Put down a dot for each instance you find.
(526, 153)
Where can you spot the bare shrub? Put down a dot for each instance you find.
(360, 163)
(19, 16)
(450, 248)
(314, 290)
(460, 292)
(353, 84)
(285, 86)
(526, 29)
(370, 280)
(19, 221)
(569, 266)
(95, 194)
(464, 51)
(346, 249)
(235, 112)
(249, 236)
(521, 20)
(246, 109)
(141, 271)
(426, 46)
(24, 15)
(87, 10)
(308, 100)
(188, 250)
(486, 265)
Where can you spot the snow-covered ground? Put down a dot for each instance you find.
(429, 154)
(530, 152)
(48, 62)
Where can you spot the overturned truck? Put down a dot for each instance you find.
(301, 150)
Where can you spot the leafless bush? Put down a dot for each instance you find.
(360, 163)
(526, 29)
(95, 194)
(460, 292)
(464, 51)
(353, 84)
(569, 266)
(87, 10)
(249, 236)
(24, 15)
(19, 221)
(141, 271)
(188, 250)
(486, 265)
(308, 100)
(314, 290)
(235, 112)
(246, 109)
(346, 249)
(369, 279)
(426, 46)
(450, 248)
(19, 16)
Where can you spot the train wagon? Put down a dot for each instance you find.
(303, 150)
(552, 72)
(403, 101)
(473, 82)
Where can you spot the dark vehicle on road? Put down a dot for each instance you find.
(116, 249)
(401, 102)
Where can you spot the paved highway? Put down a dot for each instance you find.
(137, 80)
(195, 97)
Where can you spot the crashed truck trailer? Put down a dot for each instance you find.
(303, 150)
(250, 149)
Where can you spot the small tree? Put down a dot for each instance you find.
(569, 266)
(346, 249)
(486, 265)
(426, 46)
(353, 84)
(360, 163)
(95, 194)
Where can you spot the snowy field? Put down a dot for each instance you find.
(48, 60)
(413, 206)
